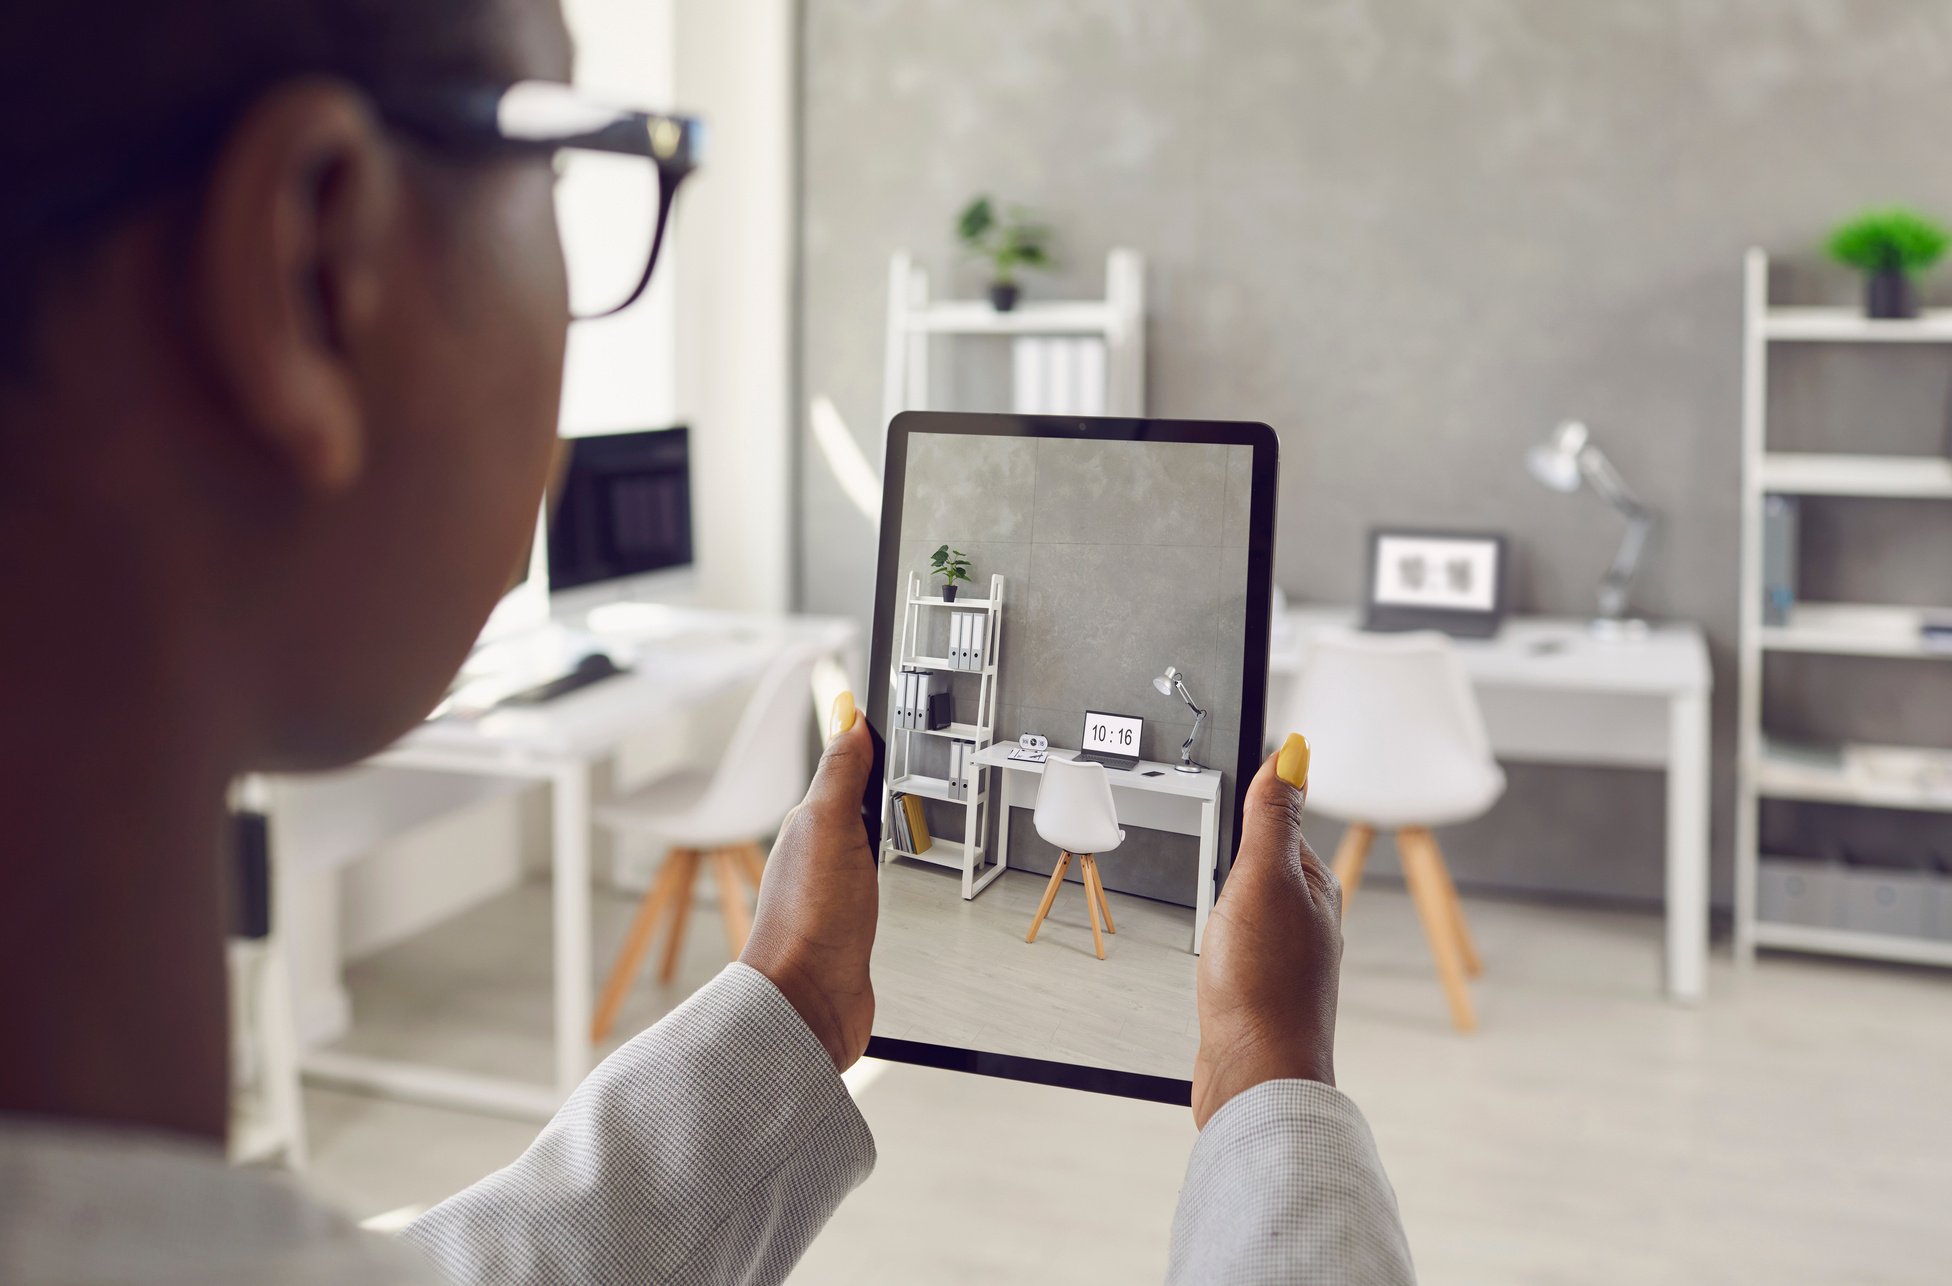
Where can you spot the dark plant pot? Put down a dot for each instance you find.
(1888, 295)
(1003, 295)
(948, 593)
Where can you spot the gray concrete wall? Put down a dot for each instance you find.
(1412, 234)
(1118, 560)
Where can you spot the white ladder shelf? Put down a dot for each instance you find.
(907, 747)
(1118, 319)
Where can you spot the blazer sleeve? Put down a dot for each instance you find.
(710, 1148)
(1284, 1186)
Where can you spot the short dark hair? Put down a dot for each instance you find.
(106, 102)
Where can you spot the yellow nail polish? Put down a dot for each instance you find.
(842, 718)
(1292, 766)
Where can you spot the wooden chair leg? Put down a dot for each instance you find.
(1351, 855)
(1422, 871)
(732, 899)
(1466, 948)
(752, 860)
(636, 942)
(1050, 895)
(1098, 891)
(681, 911)
(1088, 871)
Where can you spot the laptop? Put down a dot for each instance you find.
(1111, 739)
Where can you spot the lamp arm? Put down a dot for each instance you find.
(1199, 718)
(1606, 482)
(1626, 562)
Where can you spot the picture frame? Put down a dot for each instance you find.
(1420, 578)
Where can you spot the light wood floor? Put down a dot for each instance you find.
(1795, 1129)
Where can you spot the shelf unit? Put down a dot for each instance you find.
(1866, 776)
(914, 320)
(908, 746)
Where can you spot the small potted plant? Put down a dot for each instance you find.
(951, 565)
(1890, 247)
(1007, 243)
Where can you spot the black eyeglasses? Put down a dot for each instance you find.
(617, 172)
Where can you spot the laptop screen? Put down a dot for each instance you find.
(1111, 734)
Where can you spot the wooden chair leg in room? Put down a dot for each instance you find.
(1422, 870)
(730, 871)
(1466, 948)
(636, 942)
(1050, 895)
(1351, 855)
(1098, 891)
(1088, 869)
(681, 912)
(753, 861)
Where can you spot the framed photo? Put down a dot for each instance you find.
(1452, 581)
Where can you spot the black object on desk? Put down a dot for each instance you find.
(594, 668)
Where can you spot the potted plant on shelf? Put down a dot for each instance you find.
(951, 565)
(1007, 243)
(1890, 247)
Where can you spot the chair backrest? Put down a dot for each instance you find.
(1074, 807)
(1387, 708)
(765, 768)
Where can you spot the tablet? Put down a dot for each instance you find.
(1040, 918)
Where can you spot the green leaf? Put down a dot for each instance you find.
(1887, 240)
(978, 217)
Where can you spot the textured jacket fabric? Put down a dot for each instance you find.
(1285, 1185)
(711, 1149)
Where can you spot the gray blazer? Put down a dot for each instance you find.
(709, 1149)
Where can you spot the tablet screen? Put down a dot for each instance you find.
(1069, 579)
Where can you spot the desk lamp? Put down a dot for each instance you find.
(1172, 681)
(1563, 462)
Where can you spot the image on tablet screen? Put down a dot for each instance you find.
(1078, 705)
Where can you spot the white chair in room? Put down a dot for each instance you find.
(715, 816)
(1075, 813)
(1400, 745)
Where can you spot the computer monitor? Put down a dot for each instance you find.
(622, 514)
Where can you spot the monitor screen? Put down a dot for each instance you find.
(1111, 734)
(622, 507)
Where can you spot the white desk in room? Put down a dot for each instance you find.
(1552, 692)
(1166, 800)
(682, 659)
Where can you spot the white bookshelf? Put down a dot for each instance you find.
(1863, 775)
(910, 748)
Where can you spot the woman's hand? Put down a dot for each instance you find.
(814, 928)
(1272, 959)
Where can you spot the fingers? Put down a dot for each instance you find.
(842, 777)
(1271, 838)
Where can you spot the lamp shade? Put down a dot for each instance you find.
(1164, 683)
(1555, 462)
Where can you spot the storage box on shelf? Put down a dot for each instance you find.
(1796, 903)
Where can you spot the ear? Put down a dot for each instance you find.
(291, 243)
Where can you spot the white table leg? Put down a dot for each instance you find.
(1009, 789)
(1209, 858)
(1687, 847)
(571, 858)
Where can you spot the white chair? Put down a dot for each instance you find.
(1400, 745)
(716, 816)
(1075, 812)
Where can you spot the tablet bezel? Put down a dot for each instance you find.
(1265, 475)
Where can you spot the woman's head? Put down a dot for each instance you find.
(278, 382)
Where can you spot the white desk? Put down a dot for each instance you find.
(682, 659)
(1170, 800)
(1553, 693)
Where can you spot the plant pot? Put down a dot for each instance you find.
(1888, 295)
(948, 593)
(1003, 295)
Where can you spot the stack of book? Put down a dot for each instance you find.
(911, 825)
